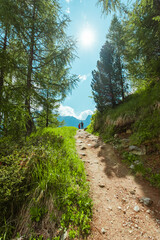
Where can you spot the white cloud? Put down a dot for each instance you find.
(83, 77)
(68, 1)
(68, 111)
(83, 115)
(68, 10)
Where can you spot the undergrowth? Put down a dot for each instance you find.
(140, 112)
(137, 166)
(44, 181)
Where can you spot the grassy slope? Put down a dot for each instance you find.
(43, 187)
(140, 114)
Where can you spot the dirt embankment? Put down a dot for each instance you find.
(118, 212)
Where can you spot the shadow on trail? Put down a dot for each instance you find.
(115, 168)
(113, 165)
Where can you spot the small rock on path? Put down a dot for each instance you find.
(119, 213)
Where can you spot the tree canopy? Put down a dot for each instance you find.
(35, 58)
(142, 41)
(109, 82)
(131, 53)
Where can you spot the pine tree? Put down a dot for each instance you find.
(98, 91)
(115, 36)
(105, 87)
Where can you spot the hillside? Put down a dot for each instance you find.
(70, 121)
(133, 127)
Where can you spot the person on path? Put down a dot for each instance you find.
(82, 125)
(79, 125)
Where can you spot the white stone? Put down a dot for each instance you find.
(132, 166)
(64, 236)
(158, 221)
(116, 135)
(103, 231)
(137, 151)
(136, 208)
(137, 162)
(146, 201)
(131, 148)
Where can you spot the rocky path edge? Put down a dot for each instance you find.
(124, 206)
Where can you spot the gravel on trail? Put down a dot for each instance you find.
(118, 209)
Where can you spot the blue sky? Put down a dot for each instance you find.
(85, 17)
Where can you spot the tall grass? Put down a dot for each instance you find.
(140, 112)
(50, 186)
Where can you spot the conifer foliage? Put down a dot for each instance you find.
(142, 40)
(109, 84)
(139, 41)
(132, 51)
(35, 57)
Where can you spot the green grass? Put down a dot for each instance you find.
(140, 112)
(140, 169)
(146, 128)
(44, 169)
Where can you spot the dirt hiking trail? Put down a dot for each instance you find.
(118, 209)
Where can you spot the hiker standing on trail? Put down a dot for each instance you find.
(82, 125)
(79, 125)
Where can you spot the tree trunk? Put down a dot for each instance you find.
(121, 78)
(2, 71)
(47, 112)
(29, 121)
(112, 93)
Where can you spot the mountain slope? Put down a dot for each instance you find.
(70, 121)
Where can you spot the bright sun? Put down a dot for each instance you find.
(87, 37)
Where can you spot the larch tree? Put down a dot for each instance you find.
(48, 49)
(41, 54)
(142, 40)
(110, 5)
(113, 5)
(9, 49)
